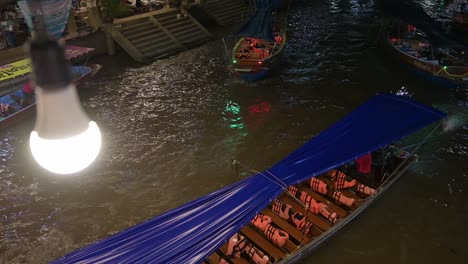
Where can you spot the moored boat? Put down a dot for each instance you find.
(441, 65)
(14, 75)
(261, 43)
(281, 214)
(13, 99)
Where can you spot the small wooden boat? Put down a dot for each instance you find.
(441, 65)
(14, 75)
(304, 230)
(13, 99)
(261, 42)
(281, 214)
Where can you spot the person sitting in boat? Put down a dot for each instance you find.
(278, 39)
(28, 94)
(6, 110)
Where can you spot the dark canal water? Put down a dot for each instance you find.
(172, 129)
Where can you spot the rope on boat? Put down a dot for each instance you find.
(444, 69)
(225, 49)
(284, 186)
(276, 181)
(404, 161)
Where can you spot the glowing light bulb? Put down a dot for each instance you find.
(64, 140)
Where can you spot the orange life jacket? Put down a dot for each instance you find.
(340, 180)
(342, 199)
(314, 206)
(363, 189)
(318, 185)
(286, 212)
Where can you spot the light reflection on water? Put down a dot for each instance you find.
(172, 129)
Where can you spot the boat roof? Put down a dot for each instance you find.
(260, 24)
(192, 232)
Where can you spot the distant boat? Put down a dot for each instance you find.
(460, 26)
(13, 99)
(445, 66)
(15, 74)
(262, 41)
(270, 217)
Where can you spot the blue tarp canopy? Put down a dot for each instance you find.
(192, 232)
(260, 24)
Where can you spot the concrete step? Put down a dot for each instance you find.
(226, 12)
(144, 38)
(137, 30)
(156, 43)
(131, 26)
(168, 18)
(224, 5)
(132, 37)
(183, 30)
(162, 52)
(180, 23)
(192, 36)
(232, 13)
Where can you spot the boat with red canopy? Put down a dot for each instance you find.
(262, 41)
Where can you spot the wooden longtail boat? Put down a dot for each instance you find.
(80, 75)
(14, 75)
(440, 65)
(305, 230)
(226, 226)
(261, 42)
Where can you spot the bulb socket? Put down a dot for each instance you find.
(51, 71)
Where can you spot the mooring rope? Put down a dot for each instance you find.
(278, 181)
(409, 156)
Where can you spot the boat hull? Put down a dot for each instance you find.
(254, 75)
(28, 111)
(430, 70)
(254, 58)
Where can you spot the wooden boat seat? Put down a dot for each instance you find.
(240, 260)
(348, 193)
(262, 243)
(292, 231)
(316, 220)
(326, 200)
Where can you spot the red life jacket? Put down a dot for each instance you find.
(28, 88)
(364, 163)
